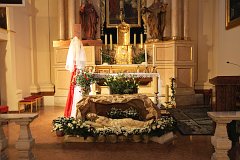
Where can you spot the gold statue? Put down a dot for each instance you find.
(124, 51)
(155, 18)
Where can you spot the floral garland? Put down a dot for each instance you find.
(71, 126)
(172, 102)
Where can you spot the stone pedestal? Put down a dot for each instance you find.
(25, 141)
(220, 140)
(3, 143)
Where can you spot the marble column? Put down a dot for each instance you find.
(186, 20)
(61, 19)
(176, 19)
(71, 17)
(34, 88)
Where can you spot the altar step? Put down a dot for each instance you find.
(203, 97)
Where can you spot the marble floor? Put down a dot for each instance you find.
(48, 146)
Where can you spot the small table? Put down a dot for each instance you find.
(25, 141)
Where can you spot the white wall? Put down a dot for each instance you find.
(226, 42)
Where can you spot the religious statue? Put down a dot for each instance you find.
(88, 20)
(101, 121)
(155, 17)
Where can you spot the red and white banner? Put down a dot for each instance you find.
(76, 59)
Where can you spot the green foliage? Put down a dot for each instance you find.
(163, 125)
(77, 127)
(115, 113)
(106, 57)
(84, 79)
(121, 84)
(139, 58)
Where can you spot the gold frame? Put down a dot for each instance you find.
(109, 25)
(230, 23)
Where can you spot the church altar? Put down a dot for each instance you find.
(138, 76)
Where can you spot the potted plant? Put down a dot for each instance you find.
(59, 126)
(122, 84)
(84, 79)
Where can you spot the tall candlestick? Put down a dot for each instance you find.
(110, 41)
(134, 40)
(141, 40)
(167, 93)
(105, 39)
(145, 53)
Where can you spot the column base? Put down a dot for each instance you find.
(176, 38)
(24, 148)
(48, 87)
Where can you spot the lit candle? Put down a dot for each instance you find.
(110, 41)
(141, 40)
(145, 53)
(105, 39)
(167, 93)
(134, 40)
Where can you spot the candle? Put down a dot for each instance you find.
(167, 93)
(110, 41)
(145, 53)
(141, 40)
(134, 40)
(105, 39)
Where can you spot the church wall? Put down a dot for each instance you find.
(226, 44)
(216, 45)
(205, 39)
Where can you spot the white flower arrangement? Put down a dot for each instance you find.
(72, 126)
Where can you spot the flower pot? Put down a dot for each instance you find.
(90, 139)
(101, 138)
(145, 138)
(112, 138)
(136, 138)
(60, 133)
(122, 138)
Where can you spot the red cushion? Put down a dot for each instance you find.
(27, 100)
(33, 97)
(3, 109)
